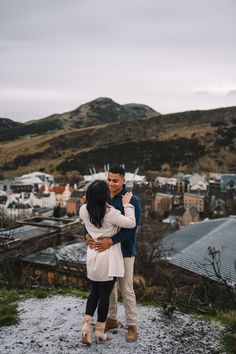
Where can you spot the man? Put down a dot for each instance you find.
(116, 181)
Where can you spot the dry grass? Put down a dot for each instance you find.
(105, 135)
(186, 132)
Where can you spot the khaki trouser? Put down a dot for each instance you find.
(127, 292)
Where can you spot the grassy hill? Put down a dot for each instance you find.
(186, 141)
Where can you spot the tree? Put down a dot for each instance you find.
(149, 247)
(6, 235)
(59, 212)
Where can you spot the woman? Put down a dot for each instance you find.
(103, 220)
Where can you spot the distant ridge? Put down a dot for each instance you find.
(136, 135)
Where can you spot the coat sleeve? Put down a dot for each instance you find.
(127, 221)
(124, 233)
(82, 212)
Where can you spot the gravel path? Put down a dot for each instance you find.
(52, 326)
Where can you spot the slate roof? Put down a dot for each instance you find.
(189, 247)
(15, 205)
(77, 194)
(72, 253)
(27, 232)
(43, 210)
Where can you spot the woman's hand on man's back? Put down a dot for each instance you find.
(126, 198)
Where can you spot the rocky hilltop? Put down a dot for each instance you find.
(97, 112)
(104, 110)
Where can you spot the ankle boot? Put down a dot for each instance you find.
(99, 331)
(86, 330)
(132, 334)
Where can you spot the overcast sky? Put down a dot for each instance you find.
(173, 55)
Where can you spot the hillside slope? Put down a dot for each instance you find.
(186, 141)
(6, 123)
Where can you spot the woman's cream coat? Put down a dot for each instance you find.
(103, 266)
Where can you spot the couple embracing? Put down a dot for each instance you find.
(111, 216)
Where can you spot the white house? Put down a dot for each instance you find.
(197, 182)
(18, 210)
(199, 186)
(44, 177)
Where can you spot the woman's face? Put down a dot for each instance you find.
(115, 183)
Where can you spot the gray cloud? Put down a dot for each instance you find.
(169, 54)
(232, 93)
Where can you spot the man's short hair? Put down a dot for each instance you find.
(117, 169)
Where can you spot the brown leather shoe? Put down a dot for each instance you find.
(111, 324)
(132, 334)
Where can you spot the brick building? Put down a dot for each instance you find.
(196, 200)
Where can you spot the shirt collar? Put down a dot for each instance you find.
(122, 192)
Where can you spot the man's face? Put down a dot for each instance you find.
(115, 183)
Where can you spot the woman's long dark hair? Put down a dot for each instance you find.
(97, 196)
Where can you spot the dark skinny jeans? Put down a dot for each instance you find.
(99, 298)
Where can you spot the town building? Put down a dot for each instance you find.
(75, 201)
(162, 203)
(220, 202)
(182, 217)
(60, 192)
(161, 181)
(196, 200)
(19, 198)
(228, 181)
(28, 246)
(18, 210)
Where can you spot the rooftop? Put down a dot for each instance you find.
(25, 232)
(49, 222)
(194, 195)
(189, 247)
(71, 253)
